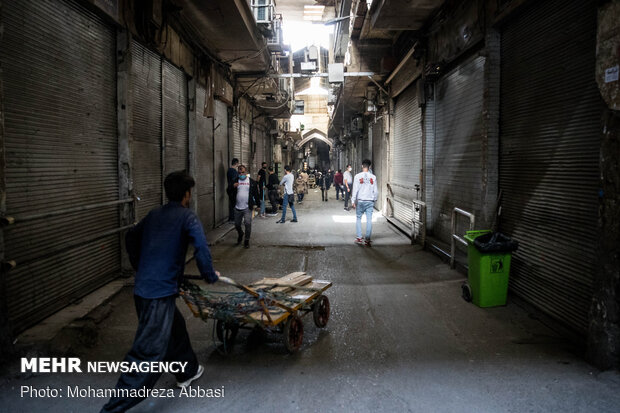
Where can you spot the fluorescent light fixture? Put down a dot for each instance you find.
(313, 12)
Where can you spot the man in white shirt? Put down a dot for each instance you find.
(347, 180)
(247, 197)
(289, 196)
(363, 197)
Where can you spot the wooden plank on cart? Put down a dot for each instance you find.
(304, 296)
(285, 283)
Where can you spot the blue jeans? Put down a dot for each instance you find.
(360, 208)
(262, 202)
(290, 203)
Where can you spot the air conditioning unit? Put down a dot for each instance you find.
(275, 41)
(263, 11)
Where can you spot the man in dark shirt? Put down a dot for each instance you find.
(262, 183)
(232, 176)
(272, 187)
(157, 247)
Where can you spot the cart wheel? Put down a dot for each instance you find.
(226, 333)
(466, 292)
(293, 333)
(320, 311)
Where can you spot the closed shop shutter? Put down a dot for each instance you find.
(59, 79)
(204, 162)
(146, 95)
(429, 156)
(175, 119)
(246, 146)
(378, 153)
(259, 156)
(549, 154)
(221, 161)
(406, 155)
(458, 146)
(236, 145)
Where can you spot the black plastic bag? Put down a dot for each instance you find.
(495, 242)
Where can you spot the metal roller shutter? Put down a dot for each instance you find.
(236, 146)
(221, 161)
(406, 155)
(175, 119)
(204, 162)
(246, 143)
(59, 76)
(259, 156)
(146, 131)
(458, 146)
(378, 154)
(549, 154)
(429, 155)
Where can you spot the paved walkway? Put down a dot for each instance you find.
(400, 338)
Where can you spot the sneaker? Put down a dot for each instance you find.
(246, 244)
(187, 382)
(294, 220)
(359, 241)
(368, 243)
(280, 222)
(239, 238)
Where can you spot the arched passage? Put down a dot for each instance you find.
(314, 134)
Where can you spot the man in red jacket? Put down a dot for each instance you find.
(338, 183)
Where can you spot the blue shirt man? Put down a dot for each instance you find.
(157, 248)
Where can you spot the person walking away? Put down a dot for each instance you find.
(320, 182)
(232, 176)
(262, 185)
(347, 179)
(272, 188)
(338, 184)
(329, 179)
(289, 197)
(363, 198)
(246, 198)
(157, 246)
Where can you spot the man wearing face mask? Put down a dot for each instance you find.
(247, 196)
(347, 179)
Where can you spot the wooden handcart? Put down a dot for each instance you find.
(268, 305)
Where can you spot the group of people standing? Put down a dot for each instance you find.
(245, 193)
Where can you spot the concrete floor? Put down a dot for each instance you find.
(400, 338)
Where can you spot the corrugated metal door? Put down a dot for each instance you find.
(259, 156)
(429, 155)
(406, 155)
(246, 143)
(204, 162)
(221, 161)
(175, 119)
(146, 95)
(59, 75)
(458, 146)
(549, 170)
(236, 144)
(378, 154)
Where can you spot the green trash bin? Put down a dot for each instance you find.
(487, 275)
